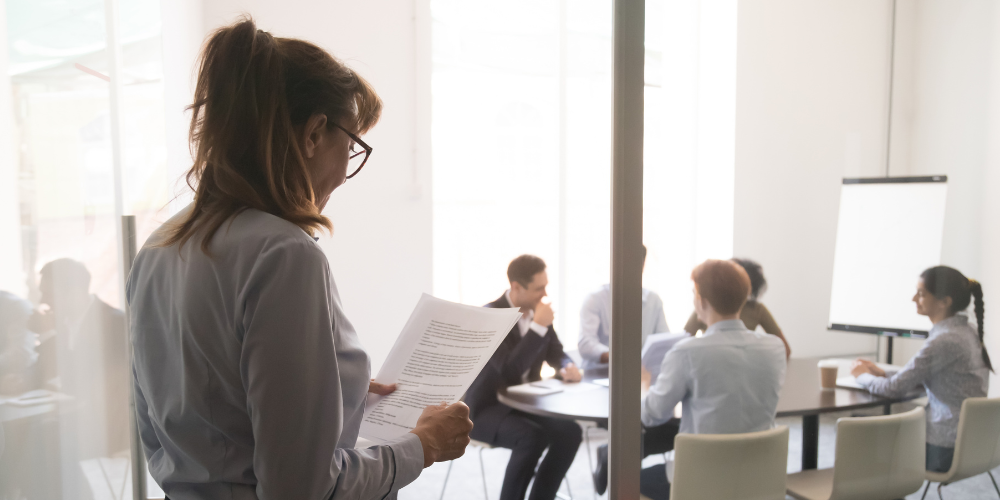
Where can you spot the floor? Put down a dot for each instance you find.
(466, 480)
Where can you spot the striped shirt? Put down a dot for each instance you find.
(950, 367)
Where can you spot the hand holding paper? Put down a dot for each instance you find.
(444, 432)
(439, 353)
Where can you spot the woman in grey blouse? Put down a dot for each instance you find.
(952, 364)
(250, 380)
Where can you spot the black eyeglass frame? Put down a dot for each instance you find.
(357, 140)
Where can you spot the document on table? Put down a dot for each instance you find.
(437, 356)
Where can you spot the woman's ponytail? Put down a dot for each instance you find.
(976, 289)
(253, 90)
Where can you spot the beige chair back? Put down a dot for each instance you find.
(730, 466)
(977, 448)
(879, 457)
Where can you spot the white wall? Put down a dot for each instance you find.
(989, 271)
(941, 120)
(380, 252)
(810, 110)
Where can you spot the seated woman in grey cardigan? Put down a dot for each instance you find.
(952, 365)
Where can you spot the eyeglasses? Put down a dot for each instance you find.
(355, 161)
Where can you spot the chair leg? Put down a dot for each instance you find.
(568, 490)
(994, 482)
(925, 490)
(940, 485)
(446, 474)
(482, 468)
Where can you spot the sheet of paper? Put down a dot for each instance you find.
(656, 347)
(437, 356)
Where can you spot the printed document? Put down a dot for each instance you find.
(437, 356)
(656, 348)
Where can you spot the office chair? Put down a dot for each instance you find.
(730, 466)
(977, 447)
(482, 469)
(878, 458)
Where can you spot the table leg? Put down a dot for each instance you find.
(810, 441)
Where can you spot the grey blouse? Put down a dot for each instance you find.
(950, 367)
(250, 380)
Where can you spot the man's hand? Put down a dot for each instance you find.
(864, 366)
(543, 314)
(570, 373)
(605, 356)
(381, 389)
(645, 379)
(443, 431)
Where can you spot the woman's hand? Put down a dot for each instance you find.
(570, 374)
(381, 389)
(443, 431)
(864, 366)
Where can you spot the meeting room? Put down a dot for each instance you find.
(520, 250)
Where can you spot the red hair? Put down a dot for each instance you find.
(723, 283)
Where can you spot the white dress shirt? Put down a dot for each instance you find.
(527, 320)
(595, 323)
(250, 380)
(728, 380)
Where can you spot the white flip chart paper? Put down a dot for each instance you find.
(437, 356)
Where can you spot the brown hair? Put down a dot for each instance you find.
(723, 283)
(524, 268)
(253, 90)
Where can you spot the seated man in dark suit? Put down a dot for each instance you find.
(518, 360)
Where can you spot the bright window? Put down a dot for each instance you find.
(522, 146)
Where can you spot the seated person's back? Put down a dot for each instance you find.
(728, 380)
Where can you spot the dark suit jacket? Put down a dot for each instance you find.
(514, 357)
(101, 357)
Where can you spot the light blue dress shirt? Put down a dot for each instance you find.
(595, 323)
(250, 380)
(728, 380)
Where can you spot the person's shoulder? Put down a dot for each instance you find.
(651, 296)
(756, 309)
(108, 311)
(255, 224)
(690, 344)
(247, 230)
(764, 338)
(598, 294)
(953, 336)
(498, 303)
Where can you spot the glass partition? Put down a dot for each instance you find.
(64, 375)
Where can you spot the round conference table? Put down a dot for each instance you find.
(801, 396)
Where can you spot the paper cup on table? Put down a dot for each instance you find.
(828, 374)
